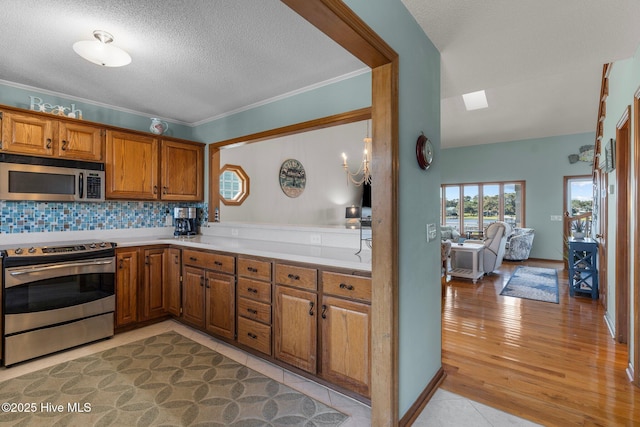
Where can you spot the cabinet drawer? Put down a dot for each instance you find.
(346, 285)
(253, 289)
(299, 277)
(260, 270)
(208, 260)
(254, 335)
(254, 310)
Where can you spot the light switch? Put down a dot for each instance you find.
(431, 232)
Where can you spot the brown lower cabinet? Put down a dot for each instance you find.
(305, 316)
(208, 292)
(146, 279)
(126, 289)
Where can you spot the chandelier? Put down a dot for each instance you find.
(363, 174)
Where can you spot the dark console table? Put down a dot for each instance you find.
(583, 267)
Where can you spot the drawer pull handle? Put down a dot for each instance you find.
(218, 263)
(311, 304)
(192, 258)
(254, 336)
(252, 269)
(293, 276)
(345, 286)
(64, 145)
(201, 280)
(255, 291)
(48, 142)
(252, 311)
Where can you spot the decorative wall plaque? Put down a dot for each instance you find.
(293, 178)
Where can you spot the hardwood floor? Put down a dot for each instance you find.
(554, 364)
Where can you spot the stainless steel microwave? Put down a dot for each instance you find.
(50, 179)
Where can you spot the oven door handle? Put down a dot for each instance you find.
(56, 266)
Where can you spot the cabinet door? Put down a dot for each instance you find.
(126, 287)
(78, 141)
(27, 134)
(131, 166)
(171, 282)
(152, 295)
(193, 307)
(221, 296)
(346, 344)
(182, 171)
(295, 327)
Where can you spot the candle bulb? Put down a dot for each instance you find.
(344, 159)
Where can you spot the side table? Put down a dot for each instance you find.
(583, 269)
(477, 257)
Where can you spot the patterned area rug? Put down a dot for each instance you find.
(535, 283)
(165, 380)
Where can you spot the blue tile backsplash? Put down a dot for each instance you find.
(31, 217)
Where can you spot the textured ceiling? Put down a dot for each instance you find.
(539, 60)
(192, 60)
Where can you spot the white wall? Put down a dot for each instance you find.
(326, 194)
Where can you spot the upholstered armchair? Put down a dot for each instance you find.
(494, 246)
(519, 244)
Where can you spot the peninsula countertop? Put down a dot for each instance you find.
(277, 244)
(322, 255)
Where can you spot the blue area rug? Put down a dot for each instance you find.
(534, 283)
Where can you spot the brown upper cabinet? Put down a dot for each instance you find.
(38, 135)
(141, 167)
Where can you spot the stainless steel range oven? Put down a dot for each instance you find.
(56, 297)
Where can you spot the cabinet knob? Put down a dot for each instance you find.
(165, 190)
(155, 189)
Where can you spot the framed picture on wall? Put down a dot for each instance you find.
(609, 155)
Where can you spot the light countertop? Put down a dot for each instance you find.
(322, 255)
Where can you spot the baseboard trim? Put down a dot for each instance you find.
(414, 411)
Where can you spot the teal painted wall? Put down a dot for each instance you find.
(624, 82)
(542, 163)
(419, 269)
(340, 97)
(18, 96)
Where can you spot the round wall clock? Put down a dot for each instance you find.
(293, 178)
(424, 152)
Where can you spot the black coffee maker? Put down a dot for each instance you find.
(185, 221)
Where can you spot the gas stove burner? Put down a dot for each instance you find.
(74, 248)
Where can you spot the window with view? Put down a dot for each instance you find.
(470, 208)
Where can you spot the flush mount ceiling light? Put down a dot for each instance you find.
(475, 100)
(101, 51)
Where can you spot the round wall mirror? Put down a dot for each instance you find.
(234, 185)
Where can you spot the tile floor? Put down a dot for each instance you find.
(444, 409)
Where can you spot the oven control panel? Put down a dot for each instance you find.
(75, 248)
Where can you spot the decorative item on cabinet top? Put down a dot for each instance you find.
(158, 126)
(36, 104)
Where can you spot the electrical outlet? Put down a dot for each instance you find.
(316, 239)
(556, 217)
(168, 220)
